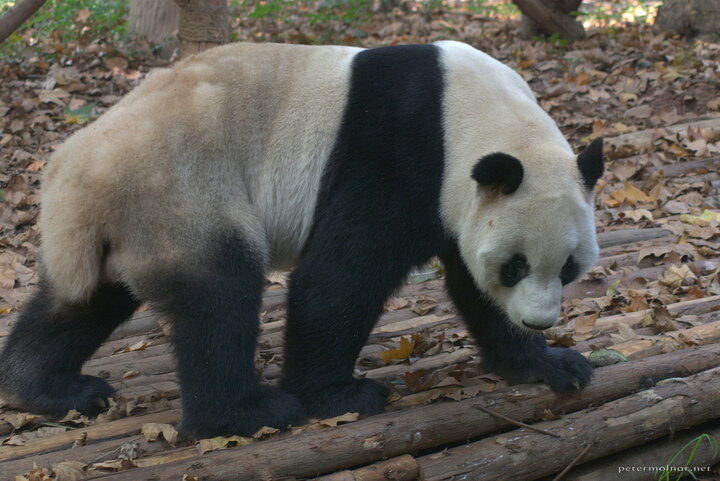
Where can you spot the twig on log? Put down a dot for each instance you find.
(514, 422)
(572, 464)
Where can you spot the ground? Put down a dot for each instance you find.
(655, 289)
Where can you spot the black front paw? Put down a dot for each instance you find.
(266, 406)
(562, 369)
(363, 396)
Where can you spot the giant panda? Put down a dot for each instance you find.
(350, 166)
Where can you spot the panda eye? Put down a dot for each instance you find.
(569, 271)
(514, 270)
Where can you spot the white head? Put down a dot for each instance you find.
(531, 230)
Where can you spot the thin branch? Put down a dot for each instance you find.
(573, 463)
(514, 422)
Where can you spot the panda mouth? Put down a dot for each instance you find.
(534, 327)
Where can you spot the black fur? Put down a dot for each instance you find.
(377, 217)
(518, 356)
(214, 309)
(590, 163)
(49, 344)
(570, 271)
(499, 170)
(514, 270)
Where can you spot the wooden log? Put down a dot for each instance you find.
(642, 140)
(656, 453)
(670, 341)
(121, 427)
(677, 169)
(605, 341)
(700, 335)
(402, 468)
(636, 246)
(392, 434)
(598, 288)
(614, 426)
(427, 363)
(695, 306)
(626, 236)
(95, 452)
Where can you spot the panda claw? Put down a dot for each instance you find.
(563, 370)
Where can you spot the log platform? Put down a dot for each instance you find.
(656, 392)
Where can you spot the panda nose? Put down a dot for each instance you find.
(536, 327)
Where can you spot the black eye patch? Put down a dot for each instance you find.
(569, 271)
(514, 270)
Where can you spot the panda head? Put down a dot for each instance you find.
(532, 229)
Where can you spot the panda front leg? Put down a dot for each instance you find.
(517, 355)
(336, 296)
(213, 301)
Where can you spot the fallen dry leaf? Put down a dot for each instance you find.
(399, 354)
(221, 442)
(678, 275)
(342, 419)
(421, 305)
(152, 432)
(69, 471)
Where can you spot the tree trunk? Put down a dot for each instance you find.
(690, 17)
(203, 24)
(550, 17)
(156, 20)
(17, 15)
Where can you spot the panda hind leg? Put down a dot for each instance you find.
(213, 304)
(48, 345)
(518, 356)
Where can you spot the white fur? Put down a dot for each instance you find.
(489, 108)
(234, 137)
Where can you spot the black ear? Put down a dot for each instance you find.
(590, 163)
(499, 170)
